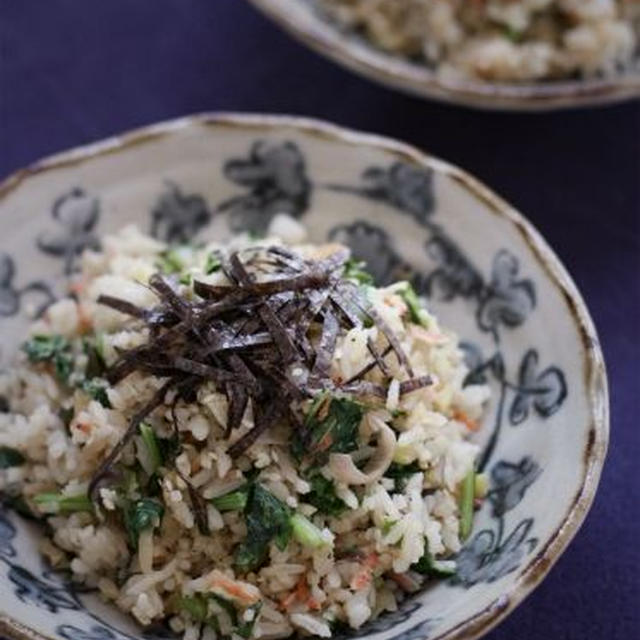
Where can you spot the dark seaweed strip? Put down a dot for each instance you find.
(263, 420)
(414, 384)
(382, 365)
(123, 306)
(363, 388)
(335, 260)
(253, 323)
(217, 374)
(238, 399)
(312, 280)
(104, 469)
(273, 324)
(326, 346)
(237, 394)
(234, 342)
(166, 293)
(278, 332)
(240, 367)
(369, 367)
(347, 309)
(199, 505)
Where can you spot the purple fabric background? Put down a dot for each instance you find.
(72, 72)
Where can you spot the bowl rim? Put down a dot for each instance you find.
(417, 79)
(594, 369)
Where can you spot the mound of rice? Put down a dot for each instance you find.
(356, 549)
(500, 40)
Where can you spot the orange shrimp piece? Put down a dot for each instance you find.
(461, 416)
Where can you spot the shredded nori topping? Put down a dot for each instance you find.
(268, 338)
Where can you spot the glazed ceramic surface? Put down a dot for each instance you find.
(306, 22)
(485, 271)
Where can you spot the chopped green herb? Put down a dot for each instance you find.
(335, 432)
(267, 519)
(186, 278)
(512, 34)
(196, 607)
(305, 532)
(55, 349)
(212, 264)
(233, 501)
(355, 270)
(10, 457)
(169, 448)
(172, 260)
(95, 362)
(245, 628)
(387, 525)
(323, 496)
(227, 606)
(428, 566)
(60, 503)
(154, 455)
(417, 314)
(467, 491)
(96, 388)
(401, 473)
(141, 515)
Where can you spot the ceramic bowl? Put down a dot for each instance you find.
(303, 20)
(483, 267)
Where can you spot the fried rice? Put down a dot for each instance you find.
(500, 40)
(272, 540)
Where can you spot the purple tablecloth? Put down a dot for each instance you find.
(72, 72)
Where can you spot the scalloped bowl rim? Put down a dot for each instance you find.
(530, 577)
(418, 79)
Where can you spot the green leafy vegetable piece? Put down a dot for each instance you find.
(332, 431)
(305, 532)
(428, 566)
(387, 525)
(467, 491)
(95, 361)
(401, 473)
(169, 448)
(10, 457)
(323, 496)
(212, 264)
(355, 270)
(96, 388)
(53, 348)
(232, 501)
(196, 607)
(60, 503)
(267, 519)
(151, 445)
(227, 606)
(140, 515)
(186, 278)
(172, 260)
(515, 35)
(417, 314)
(245, 628)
